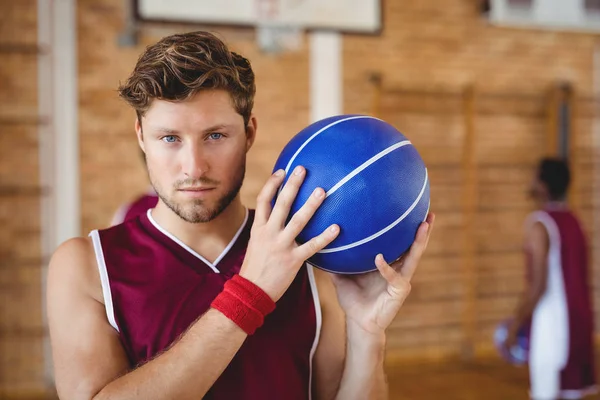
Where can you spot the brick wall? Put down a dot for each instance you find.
(423, 47)
(21, 328)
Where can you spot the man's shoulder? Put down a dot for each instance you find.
(73, 265)
(74, 248)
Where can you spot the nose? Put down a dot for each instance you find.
(195, 163)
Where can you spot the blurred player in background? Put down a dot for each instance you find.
(557, 302)
(138, 206)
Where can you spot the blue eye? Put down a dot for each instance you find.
(169, 139)
(216, 136)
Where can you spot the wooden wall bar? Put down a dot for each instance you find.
(481, 149)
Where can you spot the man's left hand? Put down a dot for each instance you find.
(371, 301)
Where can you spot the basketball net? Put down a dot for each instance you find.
(273, 36)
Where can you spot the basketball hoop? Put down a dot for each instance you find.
(273, 35)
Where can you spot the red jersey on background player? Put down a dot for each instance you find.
(200, 297)
(137, 207)
(557, 304)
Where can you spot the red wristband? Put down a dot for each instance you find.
(244, 303)
(251, 294)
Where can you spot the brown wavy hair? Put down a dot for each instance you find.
(179, 66)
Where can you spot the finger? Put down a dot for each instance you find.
(396, 281)
(263, 200)
(416, 251)
(397, 264)
(430, 220)
(287, 196)
(318, 243)
(386, 270)
(304, 214)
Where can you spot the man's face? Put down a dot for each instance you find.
(537, 189)
(196, 153)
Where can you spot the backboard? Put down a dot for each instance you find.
(356, 16)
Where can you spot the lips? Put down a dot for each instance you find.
(196, 189)
(196, 192)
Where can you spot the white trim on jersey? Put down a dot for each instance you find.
(232, 242)
(108, 303)
(212, 266)
(317, 304)
(549, 344)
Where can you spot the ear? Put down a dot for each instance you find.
(139, 134)
(251, 132)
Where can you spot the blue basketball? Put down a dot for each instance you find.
(376, 185)
(517, 354)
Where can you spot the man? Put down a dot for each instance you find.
(557, 304)
(200, 297)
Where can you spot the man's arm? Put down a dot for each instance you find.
(357, 310)
(348, 364)
(329, 358)
(537, 244)
(90, 362)
(364, 375)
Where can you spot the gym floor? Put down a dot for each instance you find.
(489, 380)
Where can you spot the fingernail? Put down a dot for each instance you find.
(279, 172)
(318, 192)
(298, 171)
(334, 228)
(379, 257)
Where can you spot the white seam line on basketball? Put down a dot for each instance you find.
(364, 165)
(289, 164)
(339, 121)
(384, 230)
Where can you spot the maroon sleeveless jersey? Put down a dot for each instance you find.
(155, 287)
(579, 372)
(562, 325)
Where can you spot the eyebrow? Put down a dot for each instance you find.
(210, 129)
(166, 130)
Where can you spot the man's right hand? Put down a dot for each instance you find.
(273, 257)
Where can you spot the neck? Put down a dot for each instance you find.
(206, 238)
(555, 204)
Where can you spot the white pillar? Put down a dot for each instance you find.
(58, 135)
(326, 75)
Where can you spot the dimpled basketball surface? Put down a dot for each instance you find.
(517, 354)
(376, 185)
